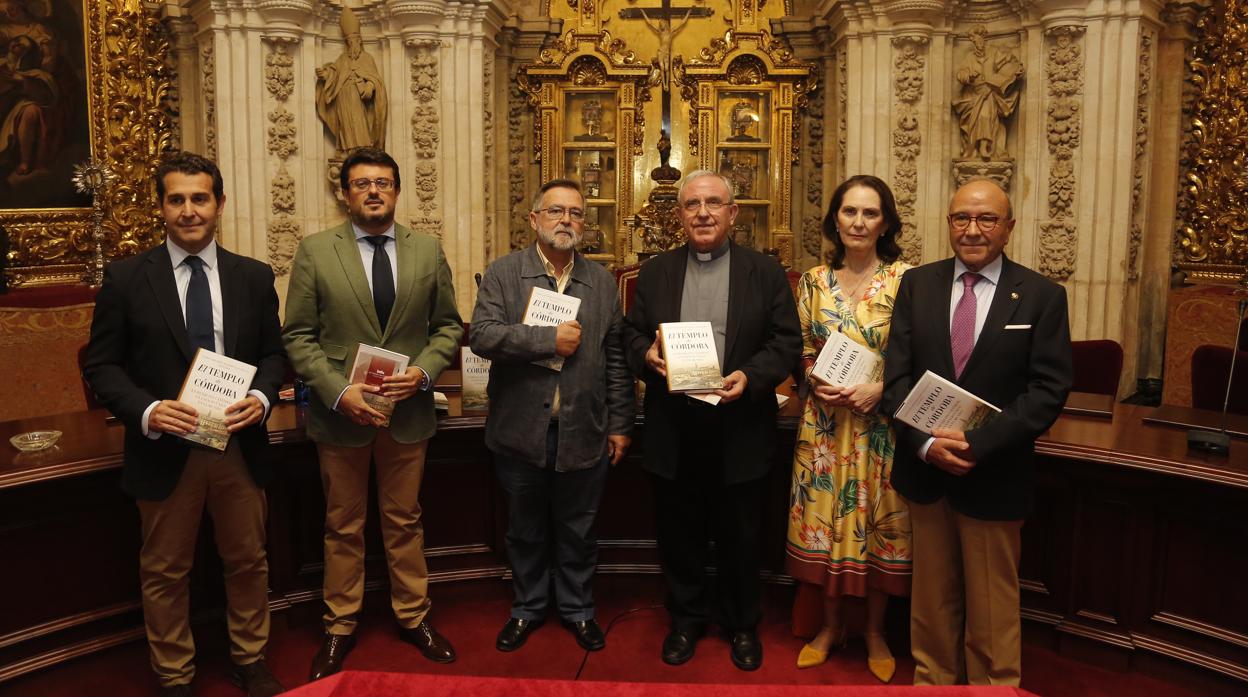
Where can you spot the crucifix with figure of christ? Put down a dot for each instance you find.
(659, 20)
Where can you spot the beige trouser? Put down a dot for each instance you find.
(964, 612)
(344, 475)
(222, 483)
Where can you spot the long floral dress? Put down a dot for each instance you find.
(848, 529)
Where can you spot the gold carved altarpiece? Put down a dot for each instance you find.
(1212, 238)
(127, 81)
(636, 93)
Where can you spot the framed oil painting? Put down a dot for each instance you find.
(79, 80)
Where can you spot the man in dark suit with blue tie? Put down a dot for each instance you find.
(152, 313)
(1000, 331)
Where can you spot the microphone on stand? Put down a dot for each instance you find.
(1219, 442)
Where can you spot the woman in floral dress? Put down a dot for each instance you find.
(849, 532)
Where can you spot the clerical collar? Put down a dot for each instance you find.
(711, 255)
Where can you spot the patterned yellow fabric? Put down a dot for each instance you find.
(848, 529)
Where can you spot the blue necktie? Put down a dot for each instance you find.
(383, 279)
(199, 307)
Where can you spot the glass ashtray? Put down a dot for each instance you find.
(35, 441)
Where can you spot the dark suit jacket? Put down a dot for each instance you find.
(139, 353)
(763, 341)
(1026, 372)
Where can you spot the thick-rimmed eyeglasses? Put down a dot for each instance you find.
(557, 213)
(364, 184)
(693, 206)
(986, 222)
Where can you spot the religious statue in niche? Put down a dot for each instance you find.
(740, 170)
(661, 65)
(591, 119)
(591, 178)
(350, 93)
(989, 79)
(743, 120)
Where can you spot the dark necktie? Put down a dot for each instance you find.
(199, 307)
(962, 332)
(383, 279)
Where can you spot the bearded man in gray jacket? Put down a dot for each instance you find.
(553, 433)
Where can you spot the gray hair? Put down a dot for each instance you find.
(698, 174)
(561, 183)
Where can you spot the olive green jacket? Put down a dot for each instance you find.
(329, 312)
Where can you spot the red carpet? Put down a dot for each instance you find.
(471, 613)
(359, 684)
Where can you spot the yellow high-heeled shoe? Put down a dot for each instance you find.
(809, 656)
(882, 668)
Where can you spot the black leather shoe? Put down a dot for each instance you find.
(333, 652)
(678, 646)
(434, 646)
(513, 634)
(588, 633)
(183, 690)
(747, 650)
(256, 680)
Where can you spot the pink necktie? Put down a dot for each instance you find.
(962, 333)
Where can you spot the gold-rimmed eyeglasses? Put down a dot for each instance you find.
(364, 184)
(986, 222)
(557, 213)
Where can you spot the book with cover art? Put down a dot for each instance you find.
(371, 366)
(546, 308)
(475, 375)
(213, 383)
(689, 352)
(934, 402)
(843, 362)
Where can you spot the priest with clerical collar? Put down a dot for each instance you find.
(707, 462)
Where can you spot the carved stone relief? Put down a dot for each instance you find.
(208, 80)
(989, 95)
(488, 166)
(812, 220)
(283, 232)
(1064, 72)
(426, 129)
(908, 72)
(517, 163)
(1140, 161)
(842, 103)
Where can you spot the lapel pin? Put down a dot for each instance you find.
(1013, 296)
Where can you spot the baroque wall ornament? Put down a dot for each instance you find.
(127, 81)
(208, 82)
(812, 220)
(487, 79)
(1213, 238)
(1064, 72)
(1140, 161)
(283, 232)
(426, 135)
(842, 104)
(908, 71)
(517, 164)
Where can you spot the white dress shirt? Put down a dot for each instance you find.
(985, 290)
(182, 278)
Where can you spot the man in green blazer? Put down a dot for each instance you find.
(371, 281)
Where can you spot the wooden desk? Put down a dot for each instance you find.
(1137, 547)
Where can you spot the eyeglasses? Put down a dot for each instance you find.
(557, 212)
(986, 222)
(693, 206)
(364, 184)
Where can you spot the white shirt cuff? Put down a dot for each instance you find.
(923, 449)
(263, 400)
(340, 394)
(147, 413)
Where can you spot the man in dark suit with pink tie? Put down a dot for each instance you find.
(1000, 331)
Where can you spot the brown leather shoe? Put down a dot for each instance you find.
(434, 646)
(256, 680)
(329, 659)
